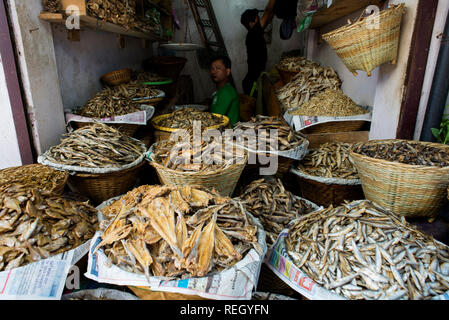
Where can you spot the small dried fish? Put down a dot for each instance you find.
(293, 64)
(53, 6)
(330, 103)
(33, 176)
(211, 233)
(273, 205)
(35, 225)
(287, 138)
(330, 160)
(96, 146)
(183, 119)
(311, 80)
(408, 152)
(362, 251)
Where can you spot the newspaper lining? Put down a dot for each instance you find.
(41, 280)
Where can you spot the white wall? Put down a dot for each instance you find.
(9, 145)
(234, 33)
(81, 64)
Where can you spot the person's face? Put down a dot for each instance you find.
(219, 72)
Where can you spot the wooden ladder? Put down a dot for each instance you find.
(208, 28)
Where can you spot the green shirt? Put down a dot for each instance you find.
(226, 102)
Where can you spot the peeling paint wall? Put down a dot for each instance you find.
(81, 64)
(9, 145)
(234, 33)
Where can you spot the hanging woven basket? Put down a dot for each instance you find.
(370, 41)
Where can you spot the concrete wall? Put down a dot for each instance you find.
(9, 145)
(81, 64)
(228, 16)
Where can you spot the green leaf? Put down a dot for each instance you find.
(436, 133)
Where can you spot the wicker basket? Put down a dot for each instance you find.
(286, 75)
(335, 126)
(364, 48)
(100, 187)
(125, 128)
(223, 180)
(327, 194)
(404, 189)
(117, 77)
(163, 133)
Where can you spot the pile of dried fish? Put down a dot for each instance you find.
(53, 6)
(183, 119)
(135, 90)
(361, 251)
(211, 156)
(107, 103)
(310, 81)
(33, 176)
(330, 160)
(294, 64)
(143, 76)
(35, 226)
(287, 138)
(408, 152)
(330, 103)
(96, 146)
(274, 206)
(176, 232)
(120, 12)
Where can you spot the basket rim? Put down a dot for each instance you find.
(95, 175)
(395, 9)
(124, 70)
(167, 129)
(359, 156)
(337, 181)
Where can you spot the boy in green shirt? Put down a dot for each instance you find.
(225, 100)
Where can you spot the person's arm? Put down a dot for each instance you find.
(267, 14)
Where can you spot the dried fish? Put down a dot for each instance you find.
(287, 138)
(53, 6)
(379, 254)
(183, 119)
(294, 64)
(40, 225)
(330, 160)
(211, 233)
(408, 152)
(33, 176)
(311, 80)
(276, 208)
(330, 103)
(96, 146)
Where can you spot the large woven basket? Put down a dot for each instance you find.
(404, 189)
(117, 77)
(324, 194)
(223, 180)
(100, 187)
(364, 45)
(335, 126)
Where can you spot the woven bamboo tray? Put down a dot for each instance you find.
(404, 189)
(125, 128)
(223, 180)
(328, 194)
(335, 126)
(100, 187)
(363, 45)
(117, 77)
